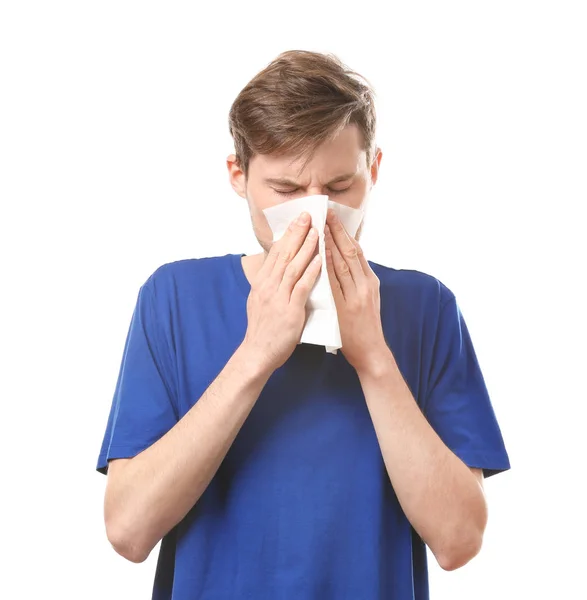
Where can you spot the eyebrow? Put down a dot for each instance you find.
(289, 182)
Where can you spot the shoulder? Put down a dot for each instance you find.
(179, 285)
(412, 286)
(185, 274)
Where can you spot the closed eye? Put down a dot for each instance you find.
(291, 193)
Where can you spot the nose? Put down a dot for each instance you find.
(316, 190)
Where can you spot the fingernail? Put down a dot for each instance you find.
(333, 216)
(303, 218)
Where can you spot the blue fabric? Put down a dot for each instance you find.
(302, 507)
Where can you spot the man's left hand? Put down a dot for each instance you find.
(355, 288)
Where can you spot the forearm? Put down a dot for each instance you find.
(439, 494)
(161, 484)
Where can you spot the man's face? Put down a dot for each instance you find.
(338, 170)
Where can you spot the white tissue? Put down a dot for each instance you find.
(321, 326)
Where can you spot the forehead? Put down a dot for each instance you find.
(342, 154)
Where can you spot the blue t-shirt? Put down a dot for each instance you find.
(302, 507)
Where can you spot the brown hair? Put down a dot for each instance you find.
(297, 102)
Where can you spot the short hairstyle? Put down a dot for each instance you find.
(300, 100)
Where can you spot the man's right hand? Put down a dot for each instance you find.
(276, 306)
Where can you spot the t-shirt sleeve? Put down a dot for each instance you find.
(458, 406)
(143, 407)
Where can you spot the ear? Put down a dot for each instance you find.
(375, 166)
(236, 176)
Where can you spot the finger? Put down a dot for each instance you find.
(340, 266)
(345, 246)
(305, 283)
(297, 266)
(268, 263)
(289, 245)
(334, 283)
(362, 259)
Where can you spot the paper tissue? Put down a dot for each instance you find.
(321, 326)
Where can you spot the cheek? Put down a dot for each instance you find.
(260, 225)
(362, 188)
(260, 197)
(354, 197)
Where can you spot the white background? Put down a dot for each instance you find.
(113, 140)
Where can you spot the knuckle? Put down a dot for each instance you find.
(263, 292)
(355, 305)
(336, 226)
(344, 270)
(350, 253)
(303, 284)
(289, 319)
(286, 255)
(291, 271)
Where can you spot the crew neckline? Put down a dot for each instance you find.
(241, 278)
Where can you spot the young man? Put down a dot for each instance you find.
(275, 470)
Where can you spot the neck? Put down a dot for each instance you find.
(252, 263)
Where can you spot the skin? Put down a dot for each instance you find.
(150, 493)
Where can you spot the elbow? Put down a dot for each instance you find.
(463, 540)
(460, 550)
(125, 528)
(126, 546)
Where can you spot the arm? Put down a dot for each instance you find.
(442, 498)
(440, 495)
(147, 495)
